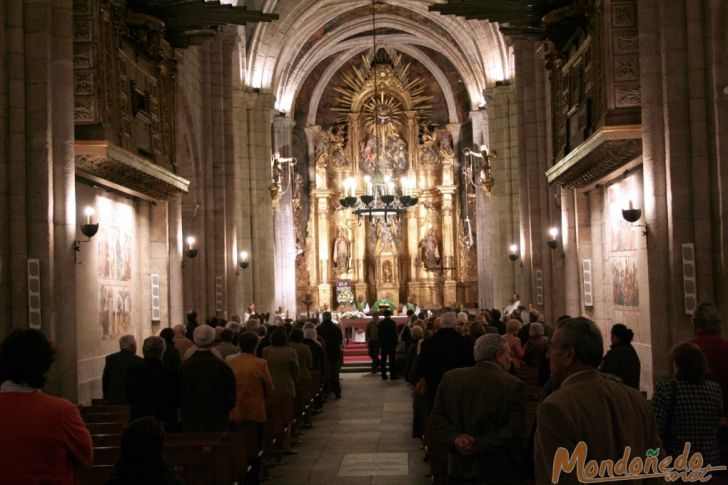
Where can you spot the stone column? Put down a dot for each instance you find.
(176, 291)
(285, 234)
(448, 244)
(321, 198)
(159, 254)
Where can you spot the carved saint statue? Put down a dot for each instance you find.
(387, 272)
(341, 253)
(429, 251)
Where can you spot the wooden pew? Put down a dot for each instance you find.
(106, 428)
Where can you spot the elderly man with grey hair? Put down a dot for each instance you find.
(480, 414)
(151, 388)
(588, 407)
(445, 350)
(117, 365)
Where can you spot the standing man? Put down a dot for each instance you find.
(387, 331)
(586, 397)
(513, 305)
(480, 414)
(117, 365)
(207, 387)
(331, 333)
(372, 337)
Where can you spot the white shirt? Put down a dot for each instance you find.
(511, 308)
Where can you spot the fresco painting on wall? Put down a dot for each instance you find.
(114, 246)
(625, 286)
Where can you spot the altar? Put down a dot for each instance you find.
(361, 323)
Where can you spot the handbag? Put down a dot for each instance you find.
(421, 388)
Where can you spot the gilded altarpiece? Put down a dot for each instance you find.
(383, 134)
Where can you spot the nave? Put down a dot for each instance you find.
(363, 438)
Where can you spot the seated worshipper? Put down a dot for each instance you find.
(151, 388)
(284, 368)
(206, 387)
(622, 360)
(226, 347)
(480, 413)
(141, 461)
(43, 438)
(304, 390)
(512, 329)
(181, 342)
(113, 380)
(688, 406)
(588, 406)
(254, 387)
(171, 357)
(383, 303)
(318, 365)
(536, 347)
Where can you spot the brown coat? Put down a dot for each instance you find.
(604, 413)
(284, 368)
(254, 385)
(489, 404)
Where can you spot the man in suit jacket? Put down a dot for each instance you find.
(113, 380)
(387, 334)
(443, 351)
(151, 388)
(207, 387)
(480, 414)
(605, 414)
(333, 338)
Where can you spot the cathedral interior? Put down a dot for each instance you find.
(160, 156)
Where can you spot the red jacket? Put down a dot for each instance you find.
(43, 440)
(715, 349)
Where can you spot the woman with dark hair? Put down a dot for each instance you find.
(688, 406)
(43, 438)
(622, 360)
(284, 368)
(141, 462)
(171, 357)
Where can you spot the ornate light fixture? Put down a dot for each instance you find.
(513, 253)
(89, 230)
(552, 243)
(191, 252)
(477, 169)
(280, 183)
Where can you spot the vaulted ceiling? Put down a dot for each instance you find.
(282, 54)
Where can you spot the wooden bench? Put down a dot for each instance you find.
(99, 474)
(114, 427)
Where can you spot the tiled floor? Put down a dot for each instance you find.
(361, 439)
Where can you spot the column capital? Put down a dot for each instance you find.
(447, 189)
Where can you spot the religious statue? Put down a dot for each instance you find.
(336, 151)
(341, 253)
(275, 188)
(428, 147)
(368, 155)
(387, 271)
(429, 251)
(386, 234)
(444, 139)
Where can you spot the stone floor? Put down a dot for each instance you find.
(363, 438)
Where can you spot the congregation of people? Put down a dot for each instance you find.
(495, 394)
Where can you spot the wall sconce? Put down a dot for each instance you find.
(477, 169)
(513, 255)
(632, 214)
(552, 242)
(89, 230)
(243, 261)
(190, 252)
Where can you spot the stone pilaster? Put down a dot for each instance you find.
(323, 212)
(448, 244)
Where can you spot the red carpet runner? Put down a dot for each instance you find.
(356, 353)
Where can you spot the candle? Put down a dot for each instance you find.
(243, 256)
(553, 232)
(88, 212)
(368, 182)
(404, 182)
(190, 242)
(390, 186)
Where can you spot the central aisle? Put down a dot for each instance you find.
(363, 438)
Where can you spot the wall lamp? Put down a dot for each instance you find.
(191, 252)
(243, 261)
(632, 214)
(513, 253)
(552, 242)
(89, 230)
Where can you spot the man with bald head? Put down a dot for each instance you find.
(207, 387)
(113, 380)
(445, 350)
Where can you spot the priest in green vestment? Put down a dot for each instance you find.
(383, 303)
